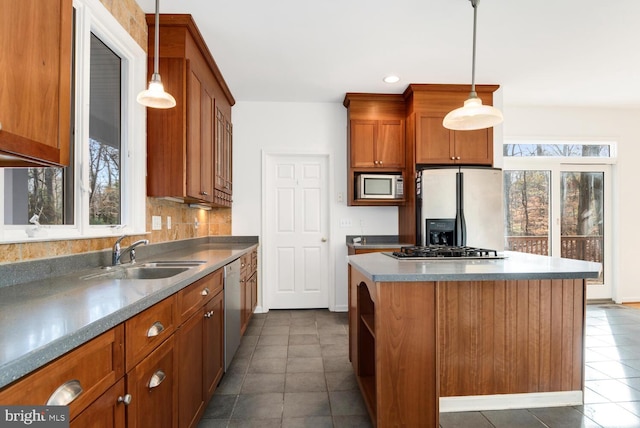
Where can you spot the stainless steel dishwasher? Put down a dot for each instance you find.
(231, 311)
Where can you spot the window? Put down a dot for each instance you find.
(557, 201)
(101, 192)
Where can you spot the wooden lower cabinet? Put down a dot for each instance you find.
(151, 384)
(200, 356)
(157, 369)
(248, 288)
(108, 411)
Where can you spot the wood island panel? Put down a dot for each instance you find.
(462, 338)
(510, 336)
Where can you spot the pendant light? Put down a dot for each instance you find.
(155, 96)
(473, 115)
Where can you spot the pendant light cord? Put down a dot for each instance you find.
(473, 93)
(156, 48)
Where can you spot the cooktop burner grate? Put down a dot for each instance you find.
(443, 251)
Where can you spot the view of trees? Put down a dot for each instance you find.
(527, 204)
(104, 183)
(45, 190)
(47, 198)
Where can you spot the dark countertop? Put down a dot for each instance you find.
(43, 319)
(381, 268)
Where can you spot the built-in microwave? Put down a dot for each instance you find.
(379, 186)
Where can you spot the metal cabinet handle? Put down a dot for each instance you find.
(65, 394)
(205, 292)
(209, 314)
(156, 379)
(126, 399)
(155, 329)
(203, 193)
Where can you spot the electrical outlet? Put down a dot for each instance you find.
(168, 222)
(345, 223)
(156, 222)
(196, 223)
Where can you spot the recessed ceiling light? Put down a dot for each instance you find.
(391, 79)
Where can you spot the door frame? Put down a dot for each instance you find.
(267, 155)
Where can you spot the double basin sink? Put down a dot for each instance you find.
(150, 270)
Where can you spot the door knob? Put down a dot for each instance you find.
(324, 239)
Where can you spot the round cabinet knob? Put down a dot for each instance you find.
(205, 292)
(453, 158)
(126, 399)
(203, 193)
(457, 157)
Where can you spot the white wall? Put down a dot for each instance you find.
(323, 128)
(302, 128)
(621, 125)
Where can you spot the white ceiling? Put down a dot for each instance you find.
(541, 52)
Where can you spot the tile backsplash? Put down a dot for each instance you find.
(183, 226)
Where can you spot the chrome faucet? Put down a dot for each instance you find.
(116, 254)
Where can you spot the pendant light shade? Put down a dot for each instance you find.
(473, 114)
(155, 96)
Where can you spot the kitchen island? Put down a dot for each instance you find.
(444, 335)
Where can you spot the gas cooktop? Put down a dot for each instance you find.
(444, 252)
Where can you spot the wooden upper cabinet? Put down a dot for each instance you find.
(182, 143)
(437, 145)
(35, 76)
(377, 143)
(376, 131)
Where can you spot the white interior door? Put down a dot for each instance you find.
(296, 261)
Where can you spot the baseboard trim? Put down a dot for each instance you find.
(510, 401)
(341, 308)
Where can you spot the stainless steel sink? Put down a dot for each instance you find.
(174, 263)
(139, 272)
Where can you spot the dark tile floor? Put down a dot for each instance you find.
(292, 370)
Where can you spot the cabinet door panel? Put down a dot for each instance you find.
(474, 147)
(105, 412)
(35, 71)
(433, 141)
(194, 145)
(206, 144)
(189, 369)
(153, 405)
(390, 144)
(363, 136)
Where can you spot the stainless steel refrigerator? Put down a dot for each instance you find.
(460, 206)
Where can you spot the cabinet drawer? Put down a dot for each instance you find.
(193, 297)
(148, 329)
(90, 369)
